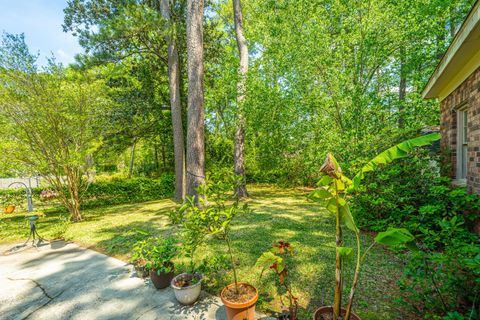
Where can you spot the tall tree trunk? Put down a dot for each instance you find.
(175, 105)
(239, 152)
(132, 158)
(73, 186)
(164, 157)
(195, 113)
(402, 89)
(155, 156)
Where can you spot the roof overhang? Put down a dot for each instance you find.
(460, 61)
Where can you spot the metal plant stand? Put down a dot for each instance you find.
(33, 231)
(28, 193)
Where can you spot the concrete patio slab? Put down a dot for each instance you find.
(65, 281)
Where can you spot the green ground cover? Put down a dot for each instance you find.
(278, 214)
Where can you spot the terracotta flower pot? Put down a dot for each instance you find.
(324, 313)
(240, 311)
(162, 280)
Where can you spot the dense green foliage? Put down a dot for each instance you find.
(442, 277)
(412, 193)
(103, 192)
(123, 190)
(51, 120)
(327, 76)
(155, 254)
(324, 75)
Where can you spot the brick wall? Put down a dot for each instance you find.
(467, 94)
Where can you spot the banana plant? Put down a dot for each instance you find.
(333, 190)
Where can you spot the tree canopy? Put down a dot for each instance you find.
(328, 75)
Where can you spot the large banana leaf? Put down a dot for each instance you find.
(398, 151)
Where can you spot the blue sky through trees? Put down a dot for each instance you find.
(41, 22)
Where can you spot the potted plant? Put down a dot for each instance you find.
(138, 259)
(276, 260)
(159, 261)
(239, 298)
(333, 191)
(187, 286)
(153, 257)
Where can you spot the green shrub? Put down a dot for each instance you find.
(106, 190)
(18, 198)
(438, 284)
(113, 191)
(394, 193)
(440, 281)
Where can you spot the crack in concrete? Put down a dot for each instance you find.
(38, 285)
(146, 311)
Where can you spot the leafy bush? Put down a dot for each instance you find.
(438, 284)
(104, 191)
(17, 197)
(412, 194)
(121, 190)
(215, 270)
(440, 281)
(155, 254)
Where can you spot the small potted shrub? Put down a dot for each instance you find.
(239, 298)
(138, 259)
(159, 262)
(333, 191)
(59, 229)
(276, 260)
(154, 257)
(187, 286)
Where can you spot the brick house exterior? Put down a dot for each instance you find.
(466, 97)
(456, 84)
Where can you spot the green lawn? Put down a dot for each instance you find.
(278, 214)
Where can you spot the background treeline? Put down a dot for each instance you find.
(336, 76)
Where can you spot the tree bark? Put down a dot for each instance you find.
(73, 185)
(175, 105)
(155, 158)
(132, 158)
(239, 149)
(402, 89)
(195, 113)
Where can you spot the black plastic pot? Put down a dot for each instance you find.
(162, 280)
